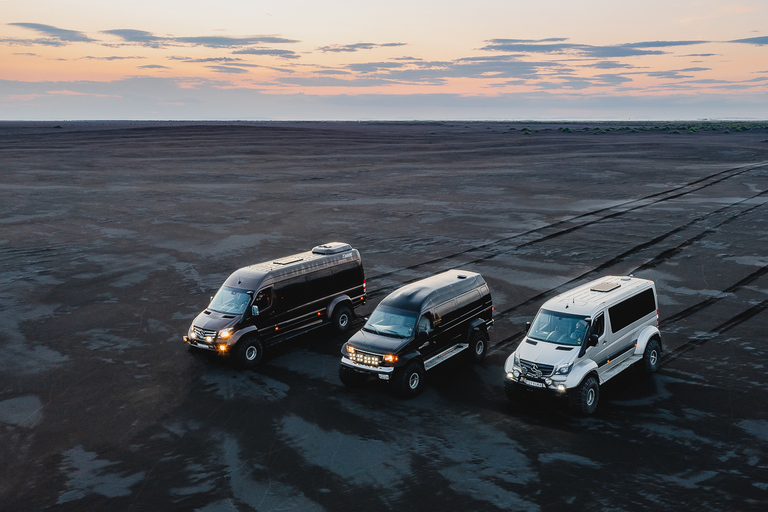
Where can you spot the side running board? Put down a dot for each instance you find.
(445, 354)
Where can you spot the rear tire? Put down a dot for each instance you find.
(351, 378)
(249, 353)
(652, 356)
(478, 346)
(409, 381)
(583, 399)
(342, 318)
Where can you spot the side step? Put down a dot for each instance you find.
(446, 354)
(620, 367)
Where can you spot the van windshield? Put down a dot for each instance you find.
(559, 328)
(398, 323)
(230, 301)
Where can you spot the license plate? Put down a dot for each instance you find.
(531, 383)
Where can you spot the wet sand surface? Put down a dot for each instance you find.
(114, 235)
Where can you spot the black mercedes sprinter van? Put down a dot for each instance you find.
(264, 304)
(417, 327)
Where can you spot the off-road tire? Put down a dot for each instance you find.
(351, 378)
(409, 381)
(342, 318)
(652, 356)
(248, 352)
(478, 346)
(583, 399)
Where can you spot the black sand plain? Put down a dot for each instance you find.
(114, 235)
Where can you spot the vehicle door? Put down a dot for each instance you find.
(446, 326)
(262, 312)
(599, 353)
(425, 332)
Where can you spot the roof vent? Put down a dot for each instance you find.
(331, 248)
(288, 260)
(605, 287)
(462, 276)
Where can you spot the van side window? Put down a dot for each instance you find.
(263, 299)
(598, 326)
(425, 325)
(445, 313)
(632, 309)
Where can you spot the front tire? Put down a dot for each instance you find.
(652, 356)
(249, 353)
(478, 346)
(342, 318)
(583, 399)
(409, 381)
(351, 378)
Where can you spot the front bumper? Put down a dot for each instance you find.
(214, 347)
(382, 371)
(555, 384)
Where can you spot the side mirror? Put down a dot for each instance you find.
(527, 327)
(255, 310)
(592, 340)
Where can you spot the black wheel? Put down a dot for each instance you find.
(409, 381)
(342, 318)
(350, 377)
(478, 346)
(583, 399)
(652, 356)
(248, 352)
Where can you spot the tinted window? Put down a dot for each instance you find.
(319, 285)
(444, 313)
(632, 309)
(291, 292)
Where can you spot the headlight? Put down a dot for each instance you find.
(350, 349)
(225, 334)
(390, 358)
(515, 359)
(191, 333)
(564, 369)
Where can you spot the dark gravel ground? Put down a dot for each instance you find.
(114, 235)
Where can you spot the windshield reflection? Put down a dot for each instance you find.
(230, 301)
(391, 322)
(559, 328)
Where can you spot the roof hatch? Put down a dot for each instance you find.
(606, 286)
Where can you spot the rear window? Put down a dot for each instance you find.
(632, 309)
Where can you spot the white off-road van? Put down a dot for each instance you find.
(584, 337)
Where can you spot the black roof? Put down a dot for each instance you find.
(252, 277)
(433, 290)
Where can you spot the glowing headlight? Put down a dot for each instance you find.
(390, 358)
(350, 349)
(226, 333)
(193, 335)
(564, 369)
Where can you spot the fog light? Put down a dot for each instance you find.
(223, 347)
(516, 374)
(561, 387)
(548, 382)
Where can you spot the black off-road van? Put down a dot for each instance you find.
(418, 327)
(264, 304)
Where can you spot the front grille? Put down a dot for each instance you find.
(202, 333)
(528, 368)
(365, 358)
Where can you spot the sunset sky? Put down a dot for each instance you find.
(417, 59)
